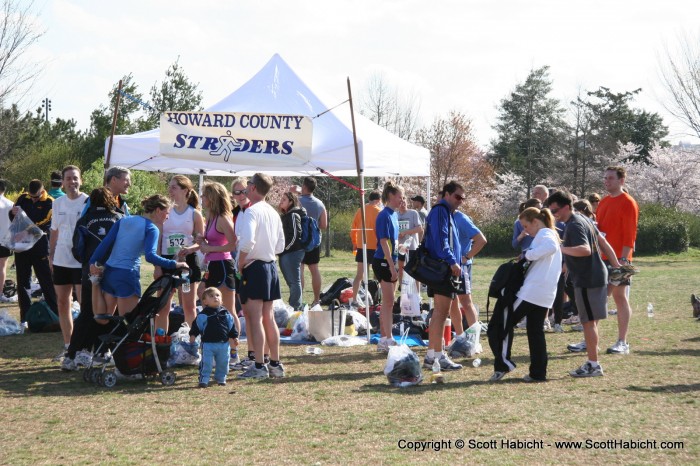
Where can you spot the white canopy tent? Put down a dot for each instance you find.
(276, 89)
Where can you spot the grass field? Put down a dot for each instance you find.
(337, 408)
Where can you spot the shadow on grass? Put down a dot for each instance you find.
(692, 340)
(674, 352)
(664, 389)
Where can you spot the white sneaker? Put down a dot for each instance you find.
(547, 325)
(577, 328)
(558, 328)
(522, 323)
(384, 343)
(83, 358)
(620, 347)
(276, 372)
(68, 365)
(577, 347)
(612, 312)
(4, 299)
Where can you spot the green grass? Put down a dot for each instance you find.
(337, 408)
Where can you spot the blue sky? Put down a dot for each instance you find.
(462, 55)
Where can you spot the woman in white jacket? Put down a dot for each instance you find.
(537, 294)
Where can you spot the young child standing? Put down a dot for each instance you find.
(215, 325)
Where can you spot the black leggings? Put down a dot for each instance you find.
(500, 333)
(86, 331)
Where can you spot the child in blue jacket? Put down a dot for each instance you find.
(215, 325)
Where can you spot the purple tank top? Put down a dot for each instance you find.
(214, 238)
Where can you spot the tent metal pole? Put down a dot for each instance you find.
(360, 174)
(201, 182)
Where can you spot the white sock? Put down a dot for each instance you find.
(593, 364)
(431, 354)
(66, 345)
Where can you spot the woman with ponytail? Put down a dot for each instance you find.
(535, 297)
(128, 239)
(184, 223)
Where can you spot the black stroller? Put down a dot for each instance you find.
(132, 346)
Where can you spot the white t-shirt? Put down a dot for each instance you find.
(65, 215)
(5, 207)
(177, 231)
(260, 233)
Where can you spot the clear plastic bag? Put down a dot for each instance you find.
(8, 325)
(301, 325)
(467, 344)
(344, 340)
(282, 313)
(182, 352)
(410, 298)
(23, 233)
(403, 367)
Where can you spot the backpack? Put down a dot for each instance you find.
(375, 292)
(333, 292)
(40, 318)
(507, 280)
(310, 233)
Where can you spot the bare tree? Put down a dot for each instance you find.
(680, 75)
(17, 34)
(391, 109)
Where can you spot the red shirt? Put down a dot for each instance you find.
(617, 218)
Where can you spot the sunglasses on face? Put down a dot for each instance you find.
(238, 192)
(459, 197)
(554, 211)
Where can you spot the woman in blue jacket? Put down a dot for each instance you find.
(128, 239)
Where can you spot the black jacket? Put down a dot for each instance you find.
(90, 230)
(291, 225)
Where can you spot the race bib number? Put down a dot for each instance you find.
(175, 242)
(403, 225)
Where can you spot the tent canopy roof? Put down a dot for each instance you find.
(276, 89)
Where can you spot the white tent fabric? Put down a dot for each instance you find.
(276, 89)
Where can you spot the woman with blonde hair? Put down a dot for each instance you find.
(216, 243)
(533, 299)
(182, 226)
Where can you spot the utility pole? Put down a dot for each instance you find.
(46, 103)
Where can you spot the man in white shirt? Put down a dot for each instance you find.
(5, 207)
(260, 239)
(66, 271)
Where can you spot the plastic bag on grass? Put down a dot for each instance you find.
(182, 352)
(300, 331)
(467, 344)
(344, 340)
(282, 313)
(359, 321)
(403, 367)
(8, 324)
(23, 233)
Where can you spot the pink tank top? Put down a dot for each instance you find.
(214, 238)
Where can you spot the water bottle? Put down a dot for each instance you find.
(476, 362)
(186, 286)
(650, 310)
(436, 376)
(313, 350)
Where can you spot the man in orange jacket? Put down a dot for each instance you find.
(372, 209)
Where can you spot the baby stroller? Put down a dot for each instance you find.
(132, 346)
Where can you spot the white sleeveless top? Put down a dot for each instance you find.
(177, 231)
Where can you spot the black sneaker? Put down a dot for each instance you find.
(203, 385)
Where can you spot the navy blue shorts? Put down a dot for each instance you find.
(221, 272)
(260, 280)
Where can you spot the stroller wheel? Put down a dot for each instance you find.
(86, 374)
(94, 375)
(108, 379)
(167, 378)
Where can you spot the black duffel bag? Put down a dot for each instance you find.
(425, 269)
